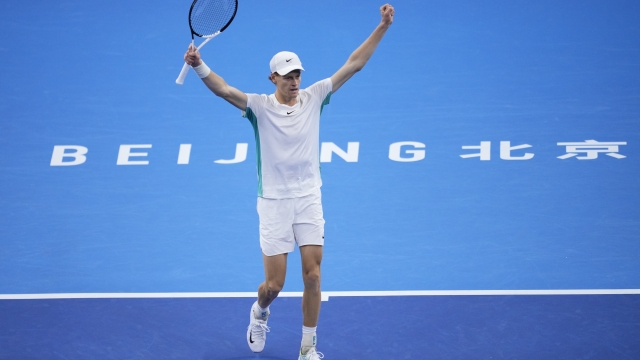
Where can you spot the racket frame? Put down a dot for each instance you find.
(185, 67)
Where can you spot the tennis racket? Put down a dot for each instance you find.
(207, 19)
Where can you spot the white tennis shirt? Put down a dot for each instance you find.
(287, 141)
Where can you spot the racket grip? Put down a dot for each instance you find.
(183, 74)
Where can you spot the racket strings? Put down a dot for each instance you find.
(210, 16)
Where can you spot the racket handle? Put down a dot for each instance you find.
(183, 74)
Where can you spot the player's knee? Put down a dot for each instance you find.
(274, 287)
(311, 279)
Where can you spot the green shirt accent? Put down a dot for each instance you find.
(325, 101)
(248, 113)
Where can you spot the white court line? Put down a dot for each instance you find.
(325, 294)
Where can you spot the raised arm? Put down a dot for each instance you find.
(215, 83)
(361, 55)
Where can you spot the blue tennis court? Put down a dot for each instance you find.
(480, 182)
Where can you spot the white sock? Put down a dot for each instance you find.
(309, 339)
(260, 313)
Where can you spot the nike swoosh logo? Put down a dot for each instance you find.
(289, 113)
(250, 338)
(289, 60)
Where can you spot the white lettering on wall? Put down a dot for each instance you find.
(484, 154)
(402, 151)
(395, 151)
(60, 152)
(328, 149)
(506, 148)
(591, 148)
(241, 155)
(184, 154)
(125, 154)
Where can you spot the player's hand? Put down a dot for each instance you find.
(387, 12)
(192, 56)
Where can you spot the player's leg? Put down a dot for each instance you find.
(275, 270)
(276, 241)
(309, 232)
(311, 276)
(311, 299)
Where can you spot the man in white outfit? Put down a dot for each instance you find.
(286, 127)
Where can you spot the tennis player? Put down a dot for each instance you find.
(286, 126)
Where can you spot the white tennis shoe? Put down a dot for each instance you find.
(258, 329)
(311, 355)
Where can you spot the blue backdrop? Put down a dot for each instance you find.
(448, 75)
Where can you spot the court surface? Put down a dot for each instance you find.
(480, 182)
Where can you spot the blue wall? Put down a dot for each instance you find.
(101, 74)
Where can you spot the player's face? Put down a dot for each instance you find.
(289, 84)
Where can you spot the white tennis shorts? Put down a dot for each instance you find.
(285, 222)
